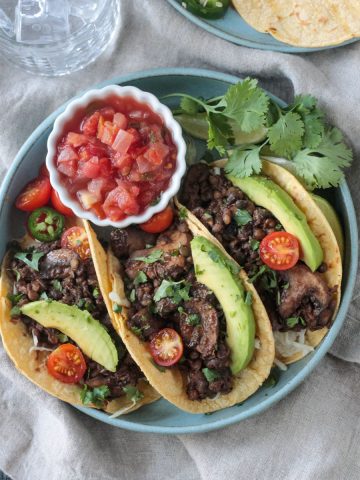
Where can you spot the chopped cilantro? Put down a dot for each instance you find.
(175, 253)
(293, 321)
(278, 227)
(140, 278)
(207, 215)
(62, 337)
(258, 274)
(210, 374)
(254, 244)
(33, 261)
(81, 303)
(242, 217)
(15, 298)
(96, 396)
(15, 311)
(153, 257)
(117, 308)
(176, 291)
(181, 309)
(96, 292)
(248, 298)
(57, 285)
(137, 331)
(270, 382)
(133, 394)
(44, 296)
(132, 296)
(193, 319)
(149, 245)
(183, 213)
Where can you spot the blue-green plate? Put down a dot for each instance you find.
(234, 29)
(162, 417)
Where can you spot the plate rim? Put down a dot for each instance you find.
(281, 47)
(320, 352)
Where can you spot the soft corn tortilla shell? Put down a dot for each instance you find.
(17, 343)
(170, 383)
(306, 23)
(323, 232)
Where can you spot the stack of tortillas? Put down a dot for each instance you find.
(305, 23)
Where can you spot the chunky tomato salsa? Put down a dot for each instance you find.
(116, 158)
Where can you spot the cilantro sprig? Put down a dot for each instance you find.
(297, 136)
(31, 259)
(96, 396)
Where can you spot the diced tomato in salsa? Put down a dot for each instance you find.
(117, 159)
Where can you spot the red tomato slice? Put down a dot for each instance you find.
(67, 364)
(43, 172)
(279, 250)
(59, 206)
(36, 194)
(75, 238)
(159, 222)
(166, 347)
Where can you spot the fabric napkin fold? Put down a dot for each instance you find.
(312, 433)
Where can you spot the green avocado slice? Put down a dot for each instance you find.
(80, 326)
(220, 275)
(266, 193)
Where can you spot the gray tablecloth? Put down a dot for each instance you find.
(314, 433)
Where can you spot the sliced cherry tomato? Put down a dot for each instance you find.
(36, 194)
(59, 206)
(75, 238)
(67, 364)
(280, 250)
(166, 347)
(159, 222)
(43, 172)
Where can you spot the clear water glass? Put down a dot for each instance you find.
(56, 37)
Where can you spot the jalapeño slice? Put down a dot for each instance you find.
(210, 9)
(46, 224)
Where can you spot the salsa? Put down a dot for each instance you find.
(116, 158)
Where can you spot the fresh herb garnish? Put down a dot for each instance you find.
(153, 257)
(193, 319)
(140, 278)
(254, 244)
(31, 259)
(182, 213)
(44, 296)
(133, 394)
(176, 291)
(258, 274)
(57, 285)
(15, 298)
(117, 308)
(242, 217)
(132, 296)
(248, 298)
(15, 311)
(137, 331)
(81, 303)
(96, 292)
(62, 337)
(298, 133)
(96, 396)
(210, 374)
(293, 321)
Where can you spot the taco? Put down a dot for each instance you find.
(247, 215)
(198, 331)
(56, 328)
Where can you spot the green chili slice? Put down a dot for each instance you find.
(46, 224)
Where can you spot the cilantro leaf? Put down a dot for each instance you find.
(242, 217)
(96, 396)
(248, 298)
(188, 105)
(15, 298)
(132, 296)
(254, 244)
(140, 278)
(313, 129)
(246, 104)
(133, 394)
(182, 213)
(303, 104)
(292, 321)
(57, 285)
(321, 167)
(244, 161)
(33, 261)
(193, 319)
(153, 257)
(219, 133)
(210, 374)
(117, 308)
(286, 134)
(15, 311)
(176, 291)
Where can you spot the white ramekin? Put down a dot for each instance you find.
(82, 102)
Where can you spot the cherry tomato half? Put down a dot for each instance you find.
(66, 364)
(59, 206)
(279, 250)
(159, 222)
(166, 347)
(36, 194)
(75, 238)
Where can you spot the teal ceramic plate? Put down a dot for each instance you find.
(162, 417)
(234, 29)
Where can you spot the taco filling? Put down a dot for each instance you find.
(296, 298)
(48, 278)
(179, 318)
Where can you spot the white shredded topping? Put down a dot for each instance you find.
(280, 364)
(290, 343)
(115, 297)
(217, 171)
(35, 339)
(40, 349)
(257, 344)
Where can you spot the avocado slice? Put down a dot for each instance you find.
(334, 222)
(266, 193)
(80, 326)
(220, 275)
